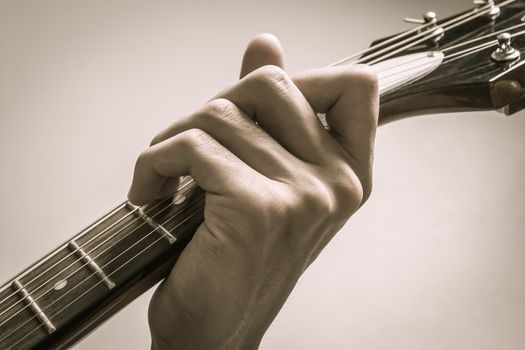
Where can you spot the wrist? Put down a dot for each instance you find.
(189, 340)
(180, 331)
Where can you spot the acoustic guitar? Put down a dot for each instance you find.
(469, 61)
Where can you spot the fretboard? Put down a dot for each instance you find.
(84, 281)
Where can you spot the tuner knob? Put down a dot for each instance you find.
(494, 10)
(430, 22)
(505, 52)
(428, 17)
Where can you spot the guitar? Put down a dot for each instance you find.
(464, 62)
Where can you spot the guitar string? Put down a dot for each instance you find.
(83, 233)
(502, 4)
(152, 232)
(452, 57)
(124, 264)
(401, 49)
(483, 37)
(79, 235)
(445, 61)
(425, 36)
(92, 250)
(85, 264)
(381, 44)
(363, 52)
(474, 14)
(55, 251)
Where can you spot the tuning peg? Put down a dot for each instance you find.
(494, 10)
(430, 20)
(505, 52)
(428, 17)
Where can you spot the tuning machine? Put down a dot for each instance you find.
(505, 52)
(429, 21)
(494, 10)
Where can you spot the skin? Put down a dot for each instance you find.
(278, 187)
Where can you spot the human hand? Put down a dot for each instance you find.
(278, 187)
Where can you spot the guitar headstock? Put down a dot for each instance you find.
(464, 62)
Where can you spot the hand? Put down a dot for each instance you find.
(278, 187)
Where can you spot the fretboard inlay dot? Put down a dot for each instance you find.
(60, 285)
(179, 200)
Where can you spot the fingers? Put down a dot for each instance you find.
(264, 49)
(349, 97)
(270, 93)
(270, 97)
(194, 153)
(229, 126)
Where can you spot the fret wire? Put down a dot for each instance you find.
(54, 252)
(61, 260)
(85, 264)
(109, 275)
(66, 293)
(78, 236)
(86, 231)
(64, 245)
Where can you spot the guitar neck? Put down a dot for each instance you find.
(72, 290)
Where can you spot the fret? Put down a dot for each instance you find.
(33, 306)
(98, 223)
(143, 234)
(63, 283)
(99, 265)
(14, 313)
(92, 264)
(140, 212)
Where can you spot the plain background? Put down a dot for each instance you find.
(436, 258)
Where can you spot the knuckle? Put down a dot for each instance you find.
(349, 191)
(366, 77)
(270, 76)
(143, 158)
(314, 199)
(219, 109)
(192, 140)
(320, 199)
(360, 75)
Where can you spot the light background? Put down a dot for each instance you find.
(435, 260)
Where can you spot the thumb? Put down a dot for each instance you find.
(262, 50)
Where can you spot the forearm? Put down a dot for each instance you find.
(174, 326)
(186, 337)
